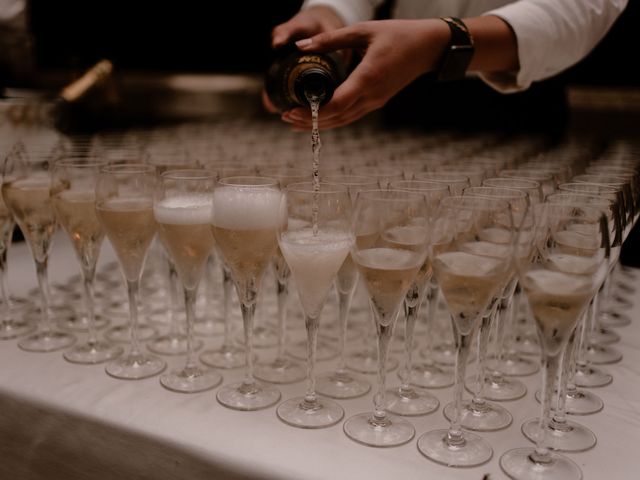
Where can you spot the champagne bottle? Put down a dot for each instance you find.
(87, 104)
(295, 76)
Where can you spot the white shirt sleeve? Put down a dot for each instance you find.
(351, 11)
(552, 35)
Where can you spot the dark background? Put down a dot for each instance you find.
(233, 36)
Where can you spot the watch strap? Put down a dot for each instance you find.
(458, 56)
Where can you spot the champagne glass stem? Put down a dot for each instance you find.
(478, 400)
(227, 286)
(559, 416)
(379, 398)
(502, 324)
(550, 365)
(312, 324)
(88, 276)
(282, 286)
(583, 342)
(455, 436)
(4, 291)
(174, 326)
(248, 311)
(133, 286)
(190, 306)
(411, 313)
(433, 296)
(344, 305)
(43, 283)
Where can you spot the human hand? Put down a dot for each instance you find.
(305, 23)
(395, 53)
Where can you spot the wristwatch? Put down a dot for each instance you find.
(458, 56)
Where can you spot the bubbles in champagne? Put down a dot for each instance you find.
(247, 209)
(183, 210)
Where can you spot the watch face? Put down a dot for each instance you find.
(456, 62)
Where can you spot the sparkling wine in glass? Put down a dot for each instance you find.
(25, 191)
(315, 243)
(124, 206)
(469, 279)
(247, 215)
(388, 271)
(73, 195)
(572, 247)
(182, 210)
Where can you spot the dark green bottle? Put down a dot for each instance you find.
(295, 76)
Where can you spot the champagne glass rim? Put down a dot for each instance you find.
(469, 202)
(418, 186)
(495, 192)
(349, 180)
(596, 186)
(248, 181)
(523, 182)
(389, 195)
(442, 177)
(597, 199)
(188, 174)
(80, 162)
(308, 187)
(128, 169)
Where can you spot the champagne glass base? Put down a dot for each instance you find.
(122, 333)
(445, 354)
(14, 328)
(580, 402)
(412, 402)
(263, 337)
(602, 354)
(473, 452)
(519, 464)
(367, 362)
(430, 375)
(498, 389)
(603, 336)
(93, 353)
(566, 437)
(527, 343)
(614, 320)
(592, 377)
(227, 357)
(190, 380)
(280, 370)
(341, 385)
(392, 432)
(80, 323)
(209, 328)
(159, 317)
(487, 417)
(47, 341)
(172, 344)
(135, 366)
(248, 397)
(515, 365)
(322, 413)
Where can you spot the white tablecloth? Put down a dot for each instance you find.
(59, 420)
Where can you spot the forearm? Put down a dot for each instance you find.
(496, 46)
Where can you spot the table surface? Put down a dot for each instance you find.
(59, 420)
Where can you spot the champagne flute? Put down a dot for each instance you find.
(182, 209)
(25, 191)
(388, 271)
(340, 383)
(174, 342)
(245, 220)
(315, 242)
(282, 369)
(73, 195)
(124, 206)
(12, 324)
(469, 280)
(570, 262)
(406, 399)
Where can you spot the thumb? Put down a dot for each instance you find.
(354, 36)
